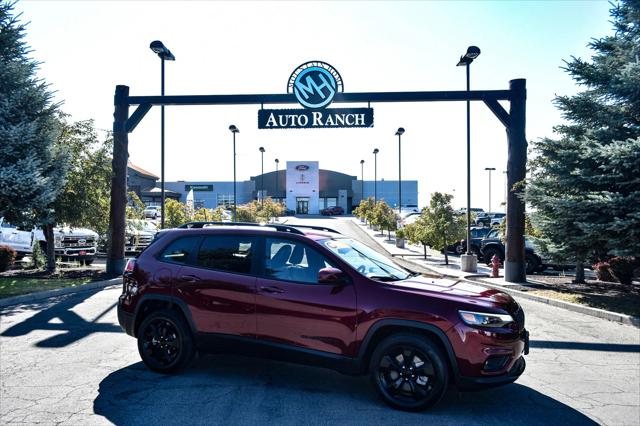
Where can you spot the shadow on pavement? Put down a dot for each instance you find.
(224, 389)
(72, 325)
(581, 346)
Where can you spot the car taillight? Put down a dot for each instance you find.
(131, 264)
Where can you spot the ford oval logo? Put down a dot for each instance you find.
(302, 167)
(314, 84)
(82, 241)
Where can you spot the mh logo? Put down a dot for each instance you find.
(315, 84)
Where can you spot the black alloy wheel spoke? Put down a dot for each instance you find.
(425, 369)
(391, 362)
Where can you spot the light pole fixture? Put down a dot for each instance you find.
(234, 130)
(165, 55)
(399, 134)
(277, 162)
(472, 53)
(489, 169)
(375, 175)
(262, 177)
(362, 180)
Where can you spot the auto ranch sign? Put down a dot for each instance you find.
(315, 84)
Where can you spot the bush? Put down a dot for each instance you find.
(622, 268)
(7, 257)
(38, 258)
(603, 271)
(400, 233)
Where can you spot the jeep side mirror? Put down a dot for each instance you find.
(331, 276)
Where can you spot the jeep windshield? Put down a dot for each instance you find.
(368, 262)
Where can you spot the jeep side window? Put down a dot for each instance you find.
(289, 260)
(180, 250)
(228, 253)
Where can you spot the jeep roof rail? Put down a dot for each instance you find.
(278, 227)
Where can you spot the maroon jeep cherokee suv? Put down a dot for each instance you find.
(312, 295)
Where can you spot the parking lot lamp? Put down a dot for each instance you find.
(489, 169)
(399, 134)
(472, 53)
(361, 180)
(165, 55)
(375, 175)
(277, 162)
(234, 130)
(262, 177)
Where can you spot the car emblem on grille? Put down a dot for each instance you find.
(82, 241)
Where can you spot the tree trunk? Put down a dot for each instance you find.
(51, 252)
(425, 251)
(579, 273)
(389, 234)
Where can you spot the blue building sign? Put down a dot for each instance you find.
(314, 85)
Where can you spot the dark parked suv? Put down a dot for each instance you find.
(312, 295)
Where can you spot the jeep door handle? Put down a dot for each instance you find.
(271, 289)
(190, 278)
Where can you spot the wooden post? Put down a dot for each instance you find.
(115, 254)
(515, 263)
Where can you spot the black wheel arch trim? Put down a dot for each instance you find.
(438, 332)
(186, 312)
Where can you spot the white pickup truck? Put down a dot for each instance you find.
(71, 243)
(16, 238)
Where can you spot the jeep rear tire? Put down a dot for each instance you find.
(409, 372)
(165, 343)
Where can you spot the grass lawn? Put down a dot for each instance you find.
(14, 286)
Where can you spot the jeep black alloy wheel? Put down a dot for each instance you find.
(408, 372)
(164, 342)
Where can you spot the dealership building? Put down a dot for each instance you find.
(303, 186)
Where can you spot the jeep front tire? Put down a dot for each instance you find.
(409, 372)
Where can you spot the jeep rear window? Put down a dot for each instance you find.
(229, 253)
(180, 250)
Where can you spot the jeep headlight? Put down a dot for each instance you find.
(485, 319)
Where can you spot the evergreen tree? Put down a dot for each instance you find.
(585, 185)
(32, 167)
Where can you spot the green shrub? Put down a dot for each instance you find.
(38, 258)
(7, 257)
(400, 233)
(622, 268)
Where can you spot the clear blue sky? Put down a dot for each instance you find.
(87, 48)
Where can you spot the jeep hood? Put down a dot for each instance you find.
(455, 288)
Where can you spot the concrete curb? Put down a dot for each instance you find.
(587, 310)
(41, 295)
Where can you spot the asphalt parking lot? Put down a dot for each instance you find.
(66, 361)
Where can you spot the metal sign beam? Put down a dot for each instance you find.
(514, 122)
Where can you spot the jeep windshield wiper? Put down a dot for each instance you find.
(383, 278)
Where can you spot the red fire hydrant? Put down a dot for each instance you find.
(495, 265)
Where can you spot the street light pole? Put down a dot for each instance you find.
(262, 178)
(489, 169)
(375, 175)
(277, 162)
(361, 180)
(165, 55)
(399, 134)
(472, 53)
(234, 130)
